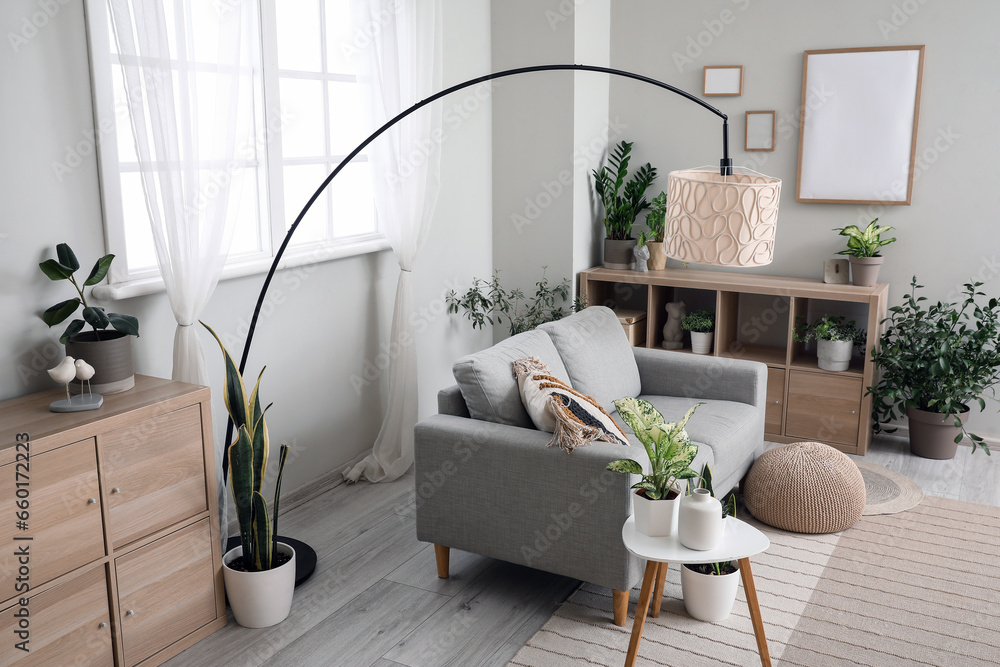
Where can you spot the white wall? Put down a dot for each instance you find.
(948, 235)
(326, 322)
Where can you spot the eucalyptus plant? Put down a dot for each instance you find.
(63, 268)
(668, 446)
(829, 327)
(864, 243)
(700, 321)
(247, 465)
(621, 207)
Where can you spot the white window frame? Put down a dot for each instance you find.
(269, 180)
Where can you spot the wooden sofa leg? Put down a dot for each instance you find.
(441, 554)
(620, 604)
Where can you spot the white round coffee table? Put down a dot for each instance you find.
(739, 541)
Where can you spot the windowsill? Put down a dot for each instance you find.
(141, 287)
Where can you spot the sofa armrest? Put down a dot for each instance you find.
(498, 491)
(665, 373)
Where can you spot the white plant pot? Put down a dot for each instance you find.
(701, 343)
(834, 355)
(700, 523)
(656, 518)
(260, 599)
(708, 597)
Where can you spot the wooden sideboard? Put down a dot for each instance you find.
(120, 525)
(755, 318)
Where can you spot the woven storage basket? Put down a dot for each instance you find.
(806, 487)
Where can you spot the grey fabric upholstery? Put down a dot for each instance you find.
(596, 352)
(487, 380)
(497, 490)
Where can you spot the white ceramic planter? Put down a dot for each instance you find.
(656, 518)
(834, 355)
(260, 599)
(700, 523)
(708, 597)
(701, 343)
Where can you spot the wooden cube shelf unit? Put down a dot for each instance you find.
(125, 564)
(803, 401)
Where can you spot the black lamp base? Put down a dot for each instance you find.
(305, 556)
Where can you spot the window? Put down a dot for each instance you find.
(307, 116)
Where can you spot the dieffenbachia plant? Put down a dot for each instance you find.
(864, 243)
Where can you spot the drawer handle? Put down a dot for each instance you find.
(130, 612)
(102, 625)
(92, 501)
(777, 402)
(116, 490)
(853, 412)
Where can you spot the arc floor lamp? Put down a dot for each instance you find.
(713, 217)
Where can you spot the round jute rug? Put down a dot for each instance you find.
(887, 491)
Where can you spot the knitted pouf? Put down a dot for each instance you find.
(806, 487)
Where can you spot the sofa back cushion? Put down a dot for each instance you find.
(597, 355)
(487, 379)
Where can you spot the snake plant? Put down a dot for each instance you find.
(247, 465)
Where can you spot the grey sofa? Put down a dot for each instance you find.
(487, 483)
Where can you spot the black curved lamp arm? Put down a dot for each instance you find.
(725, 168)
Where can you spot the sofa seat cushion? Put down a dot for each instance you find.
(597, 355)
(486, 378)
(726, 427)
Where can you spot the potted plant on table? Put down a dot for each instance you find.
(260, 573)
(701, 324)
(656, 221)
(863, 250)
(621, 207)
(657, 497)
(709, 589)
(109, 352)
(836, 339)
(935, 361)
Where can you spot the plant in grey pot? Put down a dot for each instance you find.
(623, 201)
(836, 339)
(863, 251)
(260, 573)
(935, 361)
(109, 352)
(701, 324)
(656, 221)
(668, 446)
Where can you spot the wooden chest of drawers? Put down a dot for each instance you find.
(118, 559)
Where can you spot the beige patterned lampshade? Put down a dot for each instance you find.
(721, 220)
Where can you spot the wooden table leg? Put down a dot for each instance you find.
(658, 591)
(652, 569)
(758, 624)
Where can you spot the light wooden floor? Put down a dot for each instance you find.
(375, 599)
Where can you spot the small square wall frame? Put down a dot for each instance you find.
(722, 80)
(802, 401)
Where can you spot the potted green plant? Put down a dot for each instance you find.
(621, 206)
(836, 339)
(935, 361)
(709, 589)
(109, 352)
(657, 497)
(260, 573)
(656, 221)
(701, 324)
(863, 250)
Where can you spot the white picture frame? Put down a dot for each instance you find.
(858, 129)
(722, 80)
(760, 126)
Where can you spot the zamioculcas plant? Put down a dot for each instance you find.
(247, 465)
(622, 206)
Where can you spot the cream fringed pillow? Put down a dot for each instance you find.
(573, 418)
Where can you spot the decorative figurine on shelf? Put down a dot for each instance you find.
(68, 370)
(641, 252)
(673, 334)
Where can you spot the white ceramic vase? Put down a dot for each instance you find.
(709, 597)
(701, 343)
(834, 355)
(656, 518)
(700, 522)
(260, 599)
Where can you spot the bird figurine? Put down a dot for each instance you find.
(84, 372)
(64, 373)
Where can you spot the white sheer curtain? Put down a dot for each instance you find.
(401, 65)
(189, 102)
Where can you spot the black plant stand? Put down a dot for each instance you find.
(305, 556)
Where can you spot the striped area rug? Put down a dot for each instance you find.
(921, 587)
